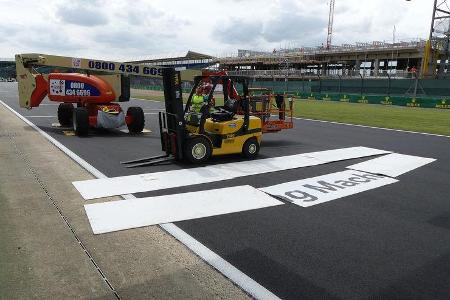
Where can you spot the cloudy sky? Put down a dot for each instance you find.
(113, 29)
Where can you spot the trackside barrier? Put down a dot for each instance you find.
(407, 101)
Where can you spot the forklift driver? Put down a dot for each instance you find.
(193, 117)
(197, 100)
(207, 87)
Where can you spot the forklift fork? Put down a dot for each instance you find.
(148, 161)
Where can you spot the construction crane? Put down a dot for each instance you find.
(330, 24)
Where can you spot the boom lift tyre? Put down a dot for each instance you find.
(81, 121)
(136, 118)
(65, 114)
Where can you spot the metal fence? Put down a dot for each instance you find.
(389, 86)
(312, 73)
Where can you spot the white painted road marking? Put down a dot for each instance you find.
(320, 189)
(98, 188)
(241, 279)
(334, 155)
(141, 99)
(119, 215)
(41, 116)
(373, 127)
(145, 130)
(392, 165)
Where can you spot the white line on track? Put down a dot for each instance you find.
(147, 100)
(348, 124)
(242, 280)
(41, 116)
(373, 127)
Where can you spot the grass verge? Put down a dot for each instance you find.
(396, 117)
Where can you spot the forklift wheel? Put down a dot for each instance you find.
(65, 114)
(137, 119)
(81, 121)
(198, 150)
(251, 148)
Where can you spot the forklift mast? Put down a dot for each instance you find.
(172, 123)
(172, 127)
(173, 92)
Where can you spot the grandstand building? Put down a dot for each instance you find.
(7, 68)
(192, 60)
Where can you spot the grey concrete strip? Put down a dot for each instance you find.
(41, 257)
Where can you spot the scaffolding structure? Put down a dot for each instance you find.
(304, 53)
(378, 58)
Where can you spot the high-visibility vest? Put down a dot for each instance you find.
(197, 102)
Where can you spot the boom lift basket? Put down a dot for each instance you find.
(273, 110)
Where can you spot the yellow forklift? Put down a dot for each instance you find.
(196, 136)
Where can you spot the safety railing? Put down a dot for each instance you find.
(273, 111)
(329, 73)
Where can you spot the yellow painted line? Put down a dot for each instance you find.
(145, 130)
(57, 125)
(69, 132)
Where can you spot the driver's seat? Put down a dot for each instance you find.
(226, 112)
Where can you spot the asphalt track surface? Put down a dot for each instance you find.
(391, 242)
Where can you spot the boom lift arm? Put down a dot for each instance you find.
(31, 85)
